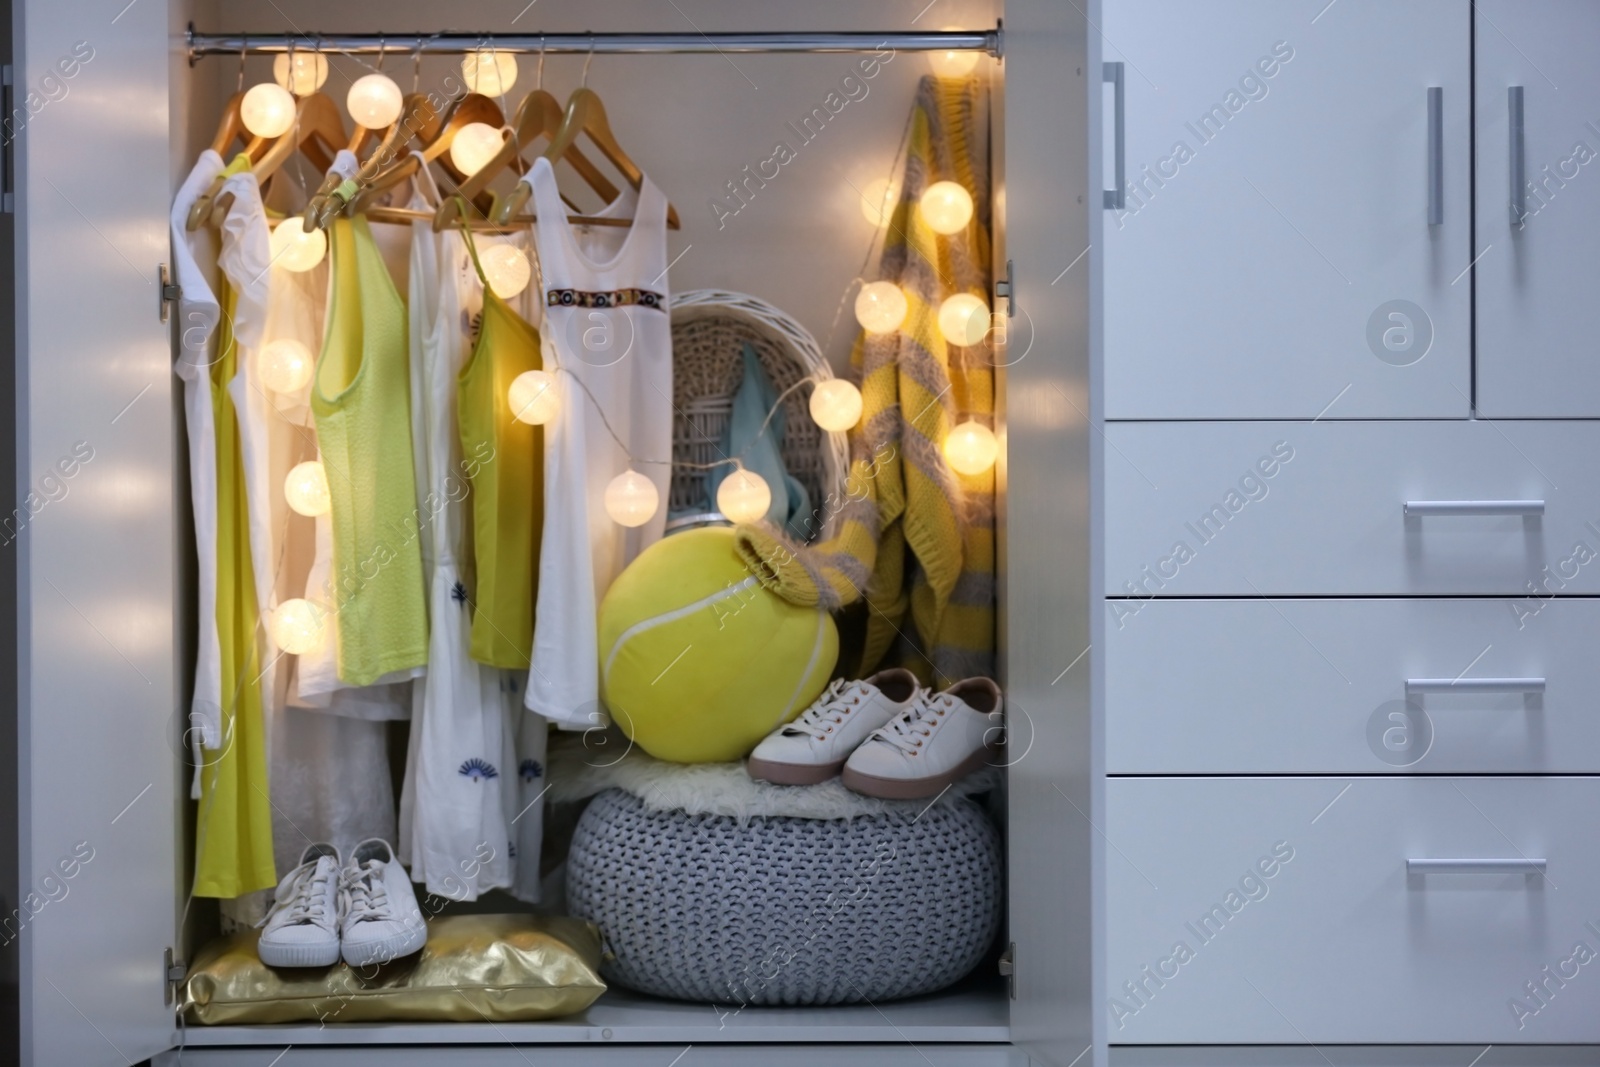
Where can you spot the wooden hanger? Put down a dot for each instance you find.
(317, 131)
(545, 116)
(418, 119)
(473, 107)
(586, 114)
(333, 179)
(230, 129)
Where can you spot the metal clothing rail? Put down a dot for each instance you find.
(399, 44)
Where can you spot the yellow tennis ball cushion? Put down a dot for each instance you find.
(698, 660)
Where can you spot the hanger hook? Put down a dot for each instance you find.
(539, 75)
(380, 53)
(244, 46)
(586, 62)
(416, 67)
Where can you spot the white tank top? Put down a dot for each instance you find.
(606, 325)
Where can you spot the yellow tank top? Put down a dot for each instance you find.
(361, 398)
(504, 461)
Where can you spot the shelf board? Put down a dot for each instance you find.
(969, 1014)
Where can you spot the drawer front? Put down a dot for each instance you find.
(1266, 910)
(1399, 686)
(1284, 509)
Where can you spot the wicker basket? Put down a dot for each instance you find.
(709, 329)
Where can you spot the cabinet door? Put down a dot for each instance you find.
(1537, 277)
(99, 541)
(1274, 255)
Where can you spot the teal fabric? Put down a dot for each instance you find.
(761, 451)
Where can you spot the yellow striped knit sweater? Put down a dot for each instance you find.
(910, 535)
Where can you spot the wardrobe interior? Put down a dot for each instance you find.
(700, 125)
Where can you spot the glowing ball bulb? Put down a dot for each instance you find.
(306, 489)
(474, 145)
(302, 73)
(507, 269)
(877, 202)
(489, 71)
(631, 499)
(953, 64)
(284, 365)
(267, 110)
(296, 627)
(971, 448)
(374, 101)
(743, 496)
(294, 248)
(533, 397)
(881, 307)
(835, 405)
(946, 207)
(964, 319)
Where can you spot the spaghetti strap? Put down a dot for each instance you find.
(472, 247)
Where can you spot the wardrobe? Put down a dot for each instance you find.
(105, 620)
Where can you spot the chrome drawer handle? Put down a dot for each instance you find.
(1474, 685)
(1474, 507)
(1494, 866)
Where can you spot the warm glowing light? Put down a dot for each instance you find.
(306, 489)
(374, 101)
(877, 201)
(835, 405)
(475, 144)
(309, 71)
(507, 269)
(743, 496)
(533, 397)
(296, 627)
(267, 110)
(953, 64)
(946, 207)
(971, 448)
(881, 307)
(631, 499)
(964, 319)
(489, 71)
(284, 365)
(295, 248)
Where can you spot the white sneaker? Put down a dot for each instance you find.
(380, 917)
(302, 927)
(813, 747)
(940, 739)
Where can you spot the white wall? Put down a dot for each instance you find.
(693, 122)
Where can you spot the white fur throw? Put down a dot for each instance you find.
(579, 770)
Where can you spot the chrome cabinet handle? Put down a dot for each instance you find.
(1474, 507)
(1117, 198)
(1435, 155)
(1474, 685)
(1519, 195)
(1487, 866)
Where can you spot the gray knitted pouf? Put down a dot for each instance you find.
(786, 910)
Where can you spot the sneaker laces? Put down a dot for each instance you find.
(828, 710)
(302, 897)
(908, 730)
(362, 894)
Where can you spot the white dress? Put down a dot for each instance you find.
(193, 255)
(462, 787)
(606, 325)
(329, 774)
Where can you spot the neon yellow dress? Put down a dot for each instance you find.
(504, 460)
(361, 398)
(233, 839)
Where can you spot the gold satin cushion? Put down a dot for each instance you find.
(475, 968)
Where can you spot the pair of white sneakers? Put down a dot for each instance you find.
(886, 736)
(364, 910)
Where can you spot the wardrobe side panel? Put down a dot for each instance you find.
(1052, 68)
(98, 677)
